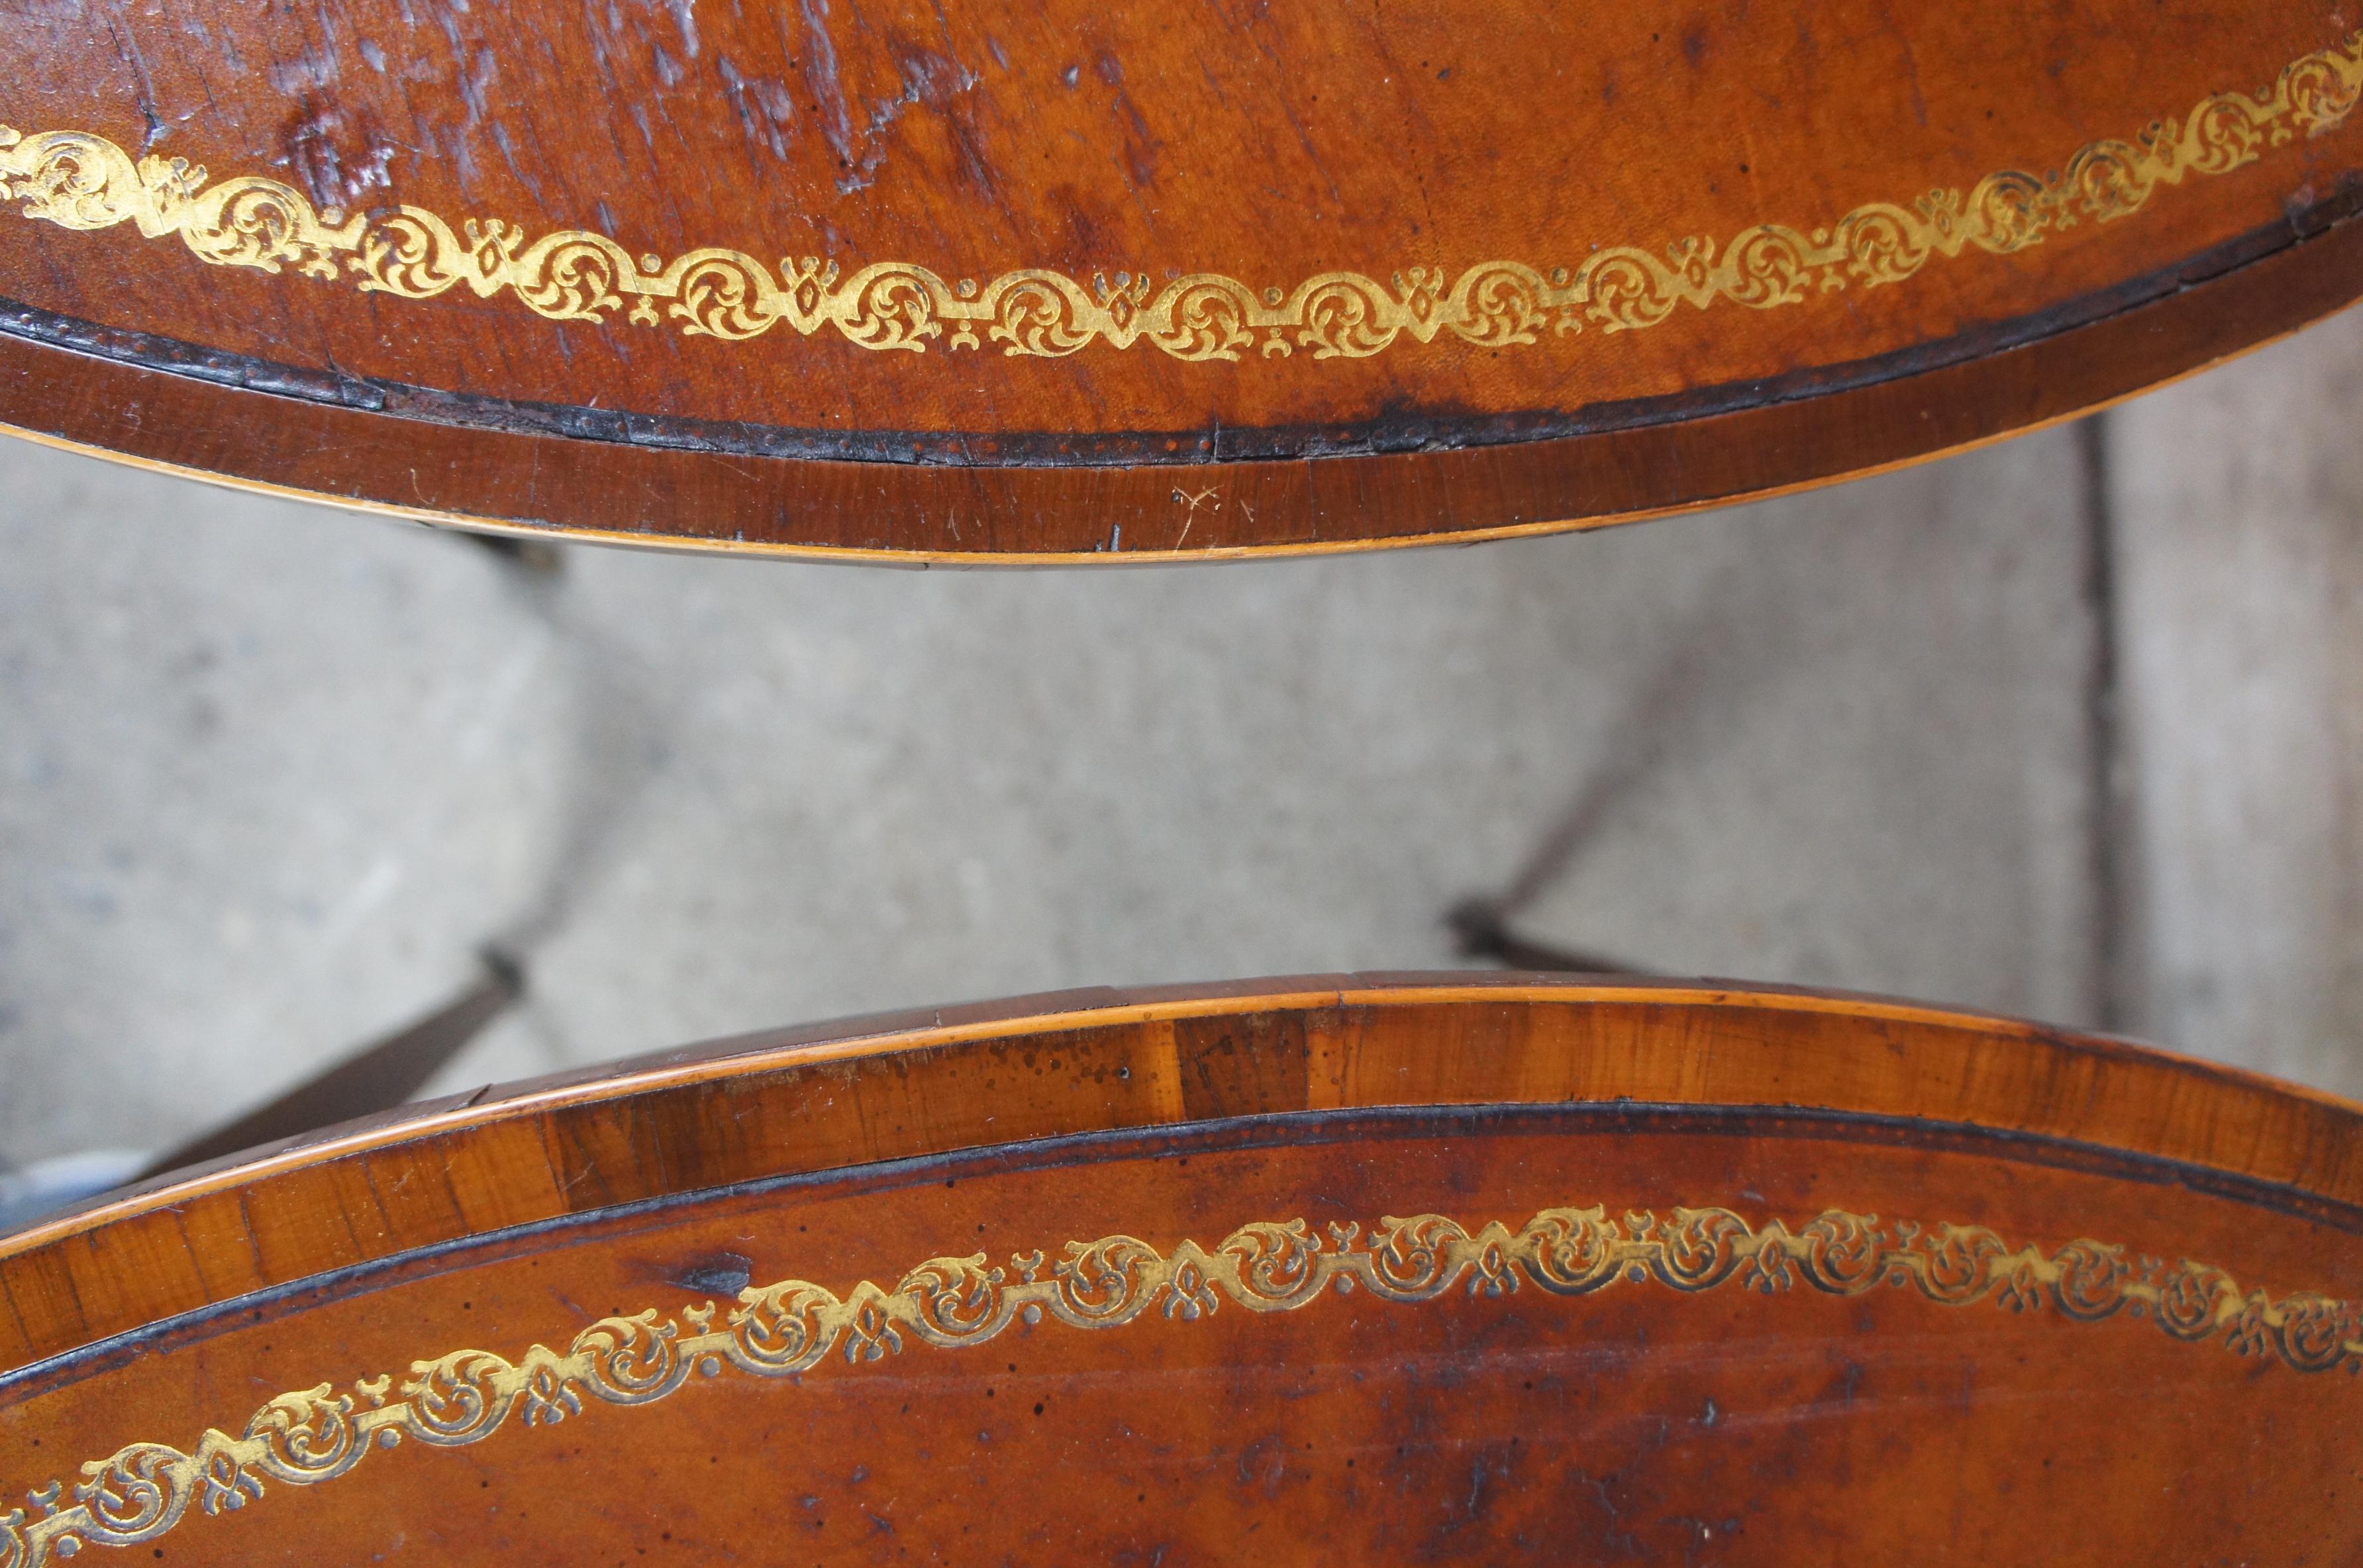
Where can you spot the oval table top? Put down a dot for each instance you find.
(973, 279)
(1351, 1268)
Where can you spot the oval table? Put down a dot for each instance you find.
(1347, 1268)
(973, 279)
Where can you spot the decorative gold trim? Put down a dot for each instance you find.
(317, 1434)
(81, 180)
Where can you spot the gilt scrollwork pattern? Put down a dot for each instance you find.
(318, 1434)
(81, 180)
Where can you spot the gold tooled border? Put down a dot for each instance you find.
(83, 181)
(317, 1434)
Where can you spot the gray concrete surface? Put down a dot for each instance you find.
(270, 774)
(2239, 499)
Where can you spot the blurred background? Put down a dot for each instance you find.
(2070, 727)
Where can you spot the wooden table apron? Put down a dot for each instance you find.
(1067, 281)
(1353, 1268)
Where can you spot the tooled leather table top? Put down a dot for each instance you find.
(982, 279)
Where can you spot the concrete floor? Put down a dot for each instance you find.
(2066, 727)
